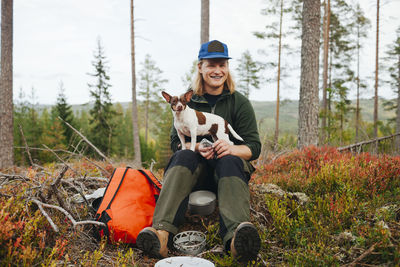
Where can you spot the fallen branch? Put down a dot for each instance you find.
(350, 147)
(60, 159)
(26, 145)
(66, 213)
(216, 249)
(87, 141)
(259, 214)
(362, 256)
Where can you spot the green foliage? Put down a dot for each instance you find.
(189, 76)
(151, 85)
(354, 204)
(63, 110)
(101, 121)
(249, 74)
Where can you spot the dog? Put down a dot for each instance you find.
(192, 123)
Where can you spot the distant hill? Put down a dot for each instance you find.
(265, 113)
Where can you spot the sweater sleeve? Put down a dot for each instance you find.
(245, 125)
(174, 140)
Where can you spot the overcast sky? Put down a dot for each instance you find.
(54, 41)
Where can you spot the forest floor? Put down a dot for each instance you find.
(314, 207)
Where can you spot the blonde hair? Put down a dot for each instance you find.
(197, 84)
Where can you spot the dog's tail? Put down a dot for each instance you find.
(234, 133)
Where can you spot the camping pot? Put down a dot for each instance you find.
(202, 202)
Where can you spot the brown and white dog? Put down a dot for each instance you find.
(192, 123)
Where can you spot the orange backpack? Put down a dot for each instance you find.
(128, 204)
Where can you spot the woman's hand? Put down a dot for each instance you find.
(223, 148)
(206, 152)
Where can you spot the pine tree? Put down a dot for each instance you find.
(279, 30)
(248, 72)
(393, 62)
(308, 104)
(164, 151)
(6, 85)
(362, 26)
(205, 21)
(102, 113)
(64, 111)
(341, 75)
(151, 85)
(135, 124)
(188, 76)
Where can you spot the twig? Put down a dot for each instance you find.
(259, 214)
(40, 205)
(259, 256)
(362, 256)
(60, 159)
(87, 141)
(66, 213)
(216, 249)
(79, 191)
(26, 145)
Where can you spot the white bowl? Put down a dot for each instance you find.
(183, 261)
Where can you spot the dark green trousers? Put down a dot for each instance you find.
(187, 171)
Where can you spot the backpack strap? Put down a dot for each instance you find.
(155, 182)
(116, 191)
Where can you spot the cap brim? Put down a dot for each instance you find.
(215, 56)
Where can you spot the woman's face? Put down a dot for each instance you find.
(214, 72)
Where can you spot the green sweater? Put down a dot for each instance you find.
(237, 110)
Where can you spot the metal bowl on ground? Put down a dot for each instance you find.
(190, 242)
(202, 202)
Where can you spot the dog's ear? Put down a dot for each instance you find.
(188, 95)
(166, 96)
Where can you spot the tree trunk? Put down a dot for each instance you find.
(358, 84)
(6, 86)
(205, 21)
(397, 141)
(276, 138)
(308, 105)
(327, 22)
(376, 74)
(136, 141)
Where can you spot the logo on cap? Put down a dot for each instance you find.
(213, 49)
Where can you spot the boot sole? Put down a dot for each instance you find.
(147, 241)
(247, 242)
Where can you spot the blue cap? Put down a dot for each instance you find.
(213, 49)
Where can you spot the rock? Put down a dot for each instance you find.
(300, 197)
(345, 237)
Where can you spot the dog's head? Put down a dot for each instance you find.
(178, 104)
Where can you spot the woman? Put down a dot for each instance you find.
(223, 168)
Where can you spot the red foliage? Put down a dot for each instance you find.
(373, 173)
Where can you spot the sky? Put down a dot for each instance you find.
(55, 40)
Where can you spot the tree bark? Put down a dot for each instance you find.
(358, 84)
(276, 138)
(397, 141)
(376, 73)
(136, 141)
(6, 86)
(308, 105)
(327, 22)
(205, 21)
